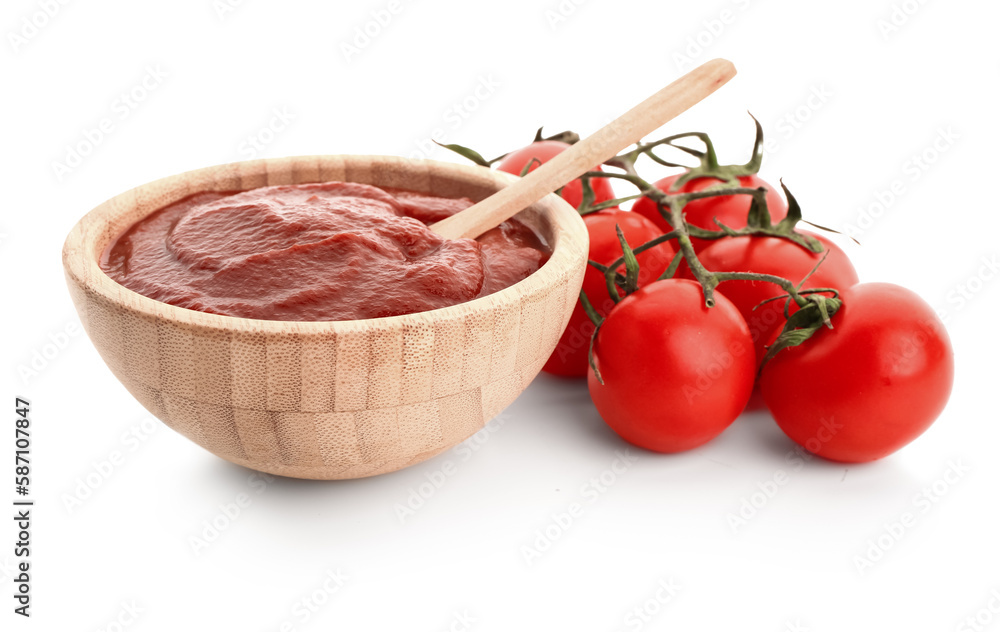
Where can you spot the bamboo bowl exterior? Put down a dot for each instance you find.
(327, 400)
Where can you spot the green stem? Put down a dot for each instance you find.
(588, 309)
(701, 274)
(611, 272)
(790, 288)
(671, 207)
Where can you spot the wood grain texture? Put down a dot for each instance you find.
(327, 400)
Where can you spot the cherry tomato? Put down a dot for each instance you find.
(676, 373)
(570, 356)
(870, 385)
(545, 150)
(780, 257)
(731, 210)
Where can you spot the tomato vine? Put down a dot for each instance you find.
(815, 305)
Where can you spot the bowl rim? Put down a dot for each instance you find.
(81, 253)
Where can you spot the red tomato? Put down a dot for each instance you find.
(870, 385)
(731, 210)
(676, 373)
(780, 257)
(545, 150)
(570, 356)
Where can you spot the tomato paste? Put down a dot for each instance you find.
(316, 252)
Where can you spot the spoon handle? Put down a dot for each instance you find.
(604, 144)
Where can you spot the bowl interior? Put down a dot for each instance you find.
(551, 218)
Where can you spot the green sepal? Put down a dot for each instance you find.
(590, 354)
(568, 137)
(587, 197)
(801, 325)
(631, 263)
(588, 309)
(728, 175)
(465, 152)
(758, 216)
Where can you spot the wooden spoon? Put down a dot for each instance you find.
(584, 155)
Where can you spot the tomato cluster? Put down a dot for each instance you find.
(704, 291)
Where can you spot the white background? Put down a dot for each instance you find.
(458, 563)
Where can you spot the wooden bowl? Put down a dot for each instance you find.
(327, 400)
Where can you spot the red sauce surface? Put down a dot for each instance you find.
(314, 252)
